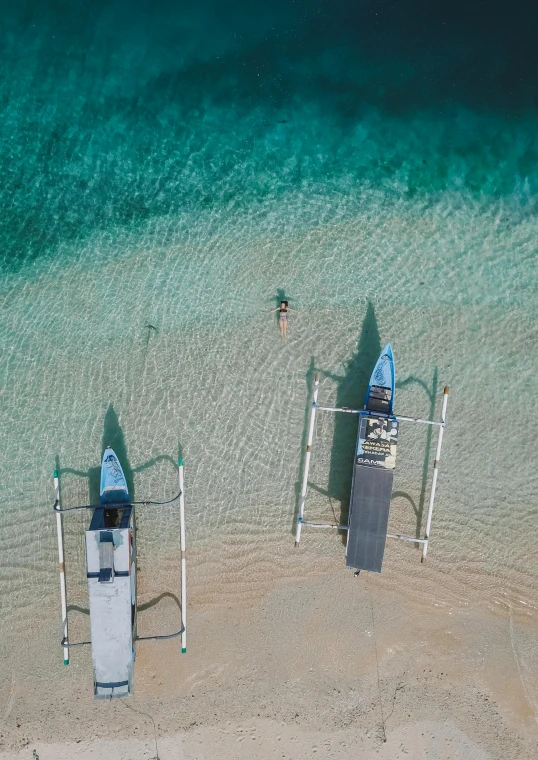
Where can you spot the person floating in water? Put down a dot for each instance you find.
(283, 320)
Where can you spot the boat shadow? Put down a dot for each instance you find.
(351, 392)
(113, 436)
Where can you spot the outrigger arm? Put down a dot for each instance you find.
(65, 643)
(304, 486)
(441, 425)
(61, 565)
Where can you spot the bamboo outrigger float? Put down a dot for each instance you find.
(373, 471)
(111, 573)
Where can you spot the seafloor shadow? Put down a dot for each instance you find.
(141, 607)
(351, 392)
(113, 436)
(157, 599)
(153, 603)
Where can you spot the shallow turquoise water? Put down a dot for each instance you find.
(184, 169)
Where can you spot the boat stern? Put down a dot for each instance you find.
(112, 597)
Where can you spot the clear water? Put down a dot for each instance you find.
(167, 174)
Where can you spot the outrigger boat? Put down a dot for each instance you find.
(373, 469)
(111, 573)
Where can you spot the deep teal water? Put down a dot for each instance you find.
(183, 164)
(119, 114)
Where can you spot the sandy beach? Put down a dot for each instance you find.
(315, 664)
(170, 172)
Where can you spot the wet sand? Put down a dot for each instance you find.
(306, 661)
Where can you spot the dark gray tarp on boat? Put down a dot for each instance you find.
(371, 491)
(368, 518)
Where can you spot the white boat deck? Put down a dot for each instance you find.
(111, 610)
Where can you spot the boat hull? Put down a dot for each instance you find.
(382, 385)
(113, 483)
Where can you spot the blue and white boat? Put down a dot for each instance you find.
(373, 469)
(382, 385)
(111, 573)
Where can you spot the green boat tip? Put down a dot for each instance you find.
(66, 662)
(184, 650)
(180, 462)
(55, 475)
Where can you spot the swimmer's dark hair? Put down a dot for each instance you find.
(285, 303)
